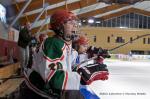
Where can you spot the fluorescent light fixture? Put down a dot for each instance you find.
(98, 22)
(91, 21)
(122, 27)
(79, 23)
(83, 20)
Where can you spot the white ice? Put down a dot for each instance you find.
(127, 80)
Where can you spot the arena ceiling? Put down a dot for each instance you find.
(38, 12)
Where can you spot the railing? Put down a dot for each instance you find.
(130, 57)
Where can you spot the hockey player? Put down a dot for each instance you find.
(81, 45)
(51, 74)
(86, 52)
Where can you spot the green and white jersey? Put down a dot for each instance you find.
(51, 70)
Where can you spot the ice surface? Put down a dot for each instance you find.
(127, 80)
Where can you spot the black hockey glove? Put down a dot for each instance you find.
(93, 72)
(98, 51)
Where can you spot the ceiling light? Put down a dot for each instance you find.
(91, 21)
(122, 27)
(98, 22)
(79, 23)
(83, 20)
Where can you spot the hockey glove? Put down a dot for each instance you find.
(92, 73)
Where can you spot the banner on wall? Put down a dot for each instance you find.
(8, 34)
(13, 34)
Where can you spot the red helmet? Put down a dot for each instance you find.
(82, 40)
(60, 17)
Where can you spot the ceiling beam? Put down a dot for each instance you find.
(126, 11)
(101, 10)
(72, 6)
(140, 11)
(35, 4)
(35, 30)
(20, 13)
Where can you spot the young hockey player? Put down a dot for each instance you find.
(81, 45)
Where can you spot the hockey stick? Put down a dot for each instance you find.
(141, 36)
